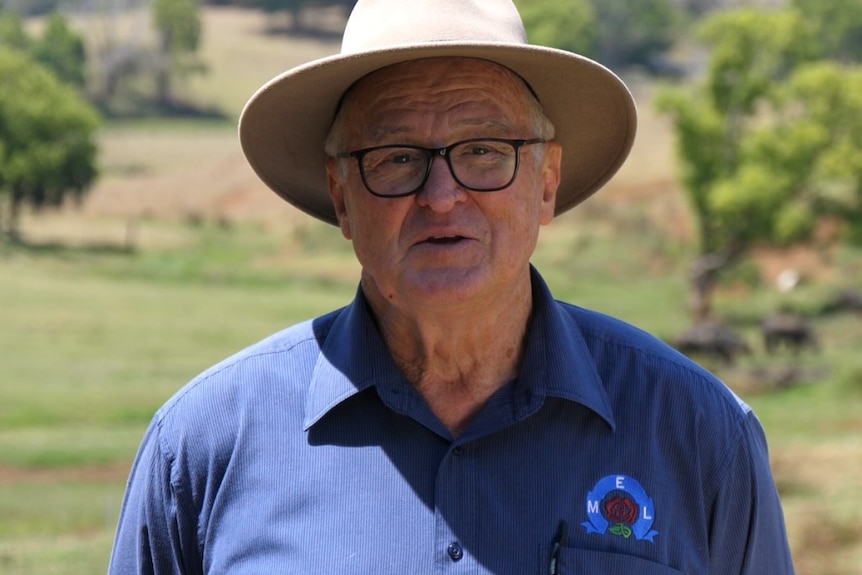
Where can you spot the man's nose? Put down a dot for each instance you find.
(441, 191)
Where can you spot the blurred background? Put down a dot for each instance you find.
(137, 247)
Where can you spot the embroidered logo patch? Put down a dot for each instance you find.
(620, 506)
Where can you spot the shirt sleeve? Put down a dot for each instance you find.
(748, 535)
(156, 534)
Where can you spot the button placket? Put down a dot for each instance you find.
(452, 509)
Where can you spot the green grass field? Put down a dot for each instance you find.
(93, 341)
(180, 257)
(95, 338)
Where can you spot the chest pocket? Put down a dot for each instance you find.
(573, 561)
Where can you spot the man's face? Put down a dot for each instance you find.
(443, 246)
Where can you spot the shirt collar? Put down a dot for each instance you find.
(353, 357)
(557, 361)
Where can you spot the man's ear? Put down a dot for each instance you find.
(551, 173)
(335, 182)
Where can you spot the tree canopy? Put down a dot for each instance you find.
(619, 33)
(61, 50)
(636, 32)
(179, 27)
(837, 25)
(569, 25)
(12, 32)
(58, 48)
(769, 142)
(47, 138)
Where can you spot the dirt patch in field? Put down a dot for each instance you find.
(806, 262)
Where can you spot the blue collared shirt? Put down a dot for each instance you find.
(309, 453)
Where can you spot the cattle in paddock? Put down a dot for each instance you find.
(844, 301)
(712, 339)
(787, 330)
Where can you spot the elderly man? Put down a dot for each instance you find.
(454, 418)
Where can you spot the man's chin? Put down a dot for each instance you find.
(447, 284)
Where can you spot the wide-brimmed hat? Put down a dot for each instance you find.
(283, 126)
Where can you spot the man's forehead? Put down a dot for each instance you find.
(438, 85)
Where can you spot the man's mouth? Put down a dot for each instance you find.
(444, 240)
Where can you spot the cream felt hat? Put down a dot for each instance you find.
(284, 124)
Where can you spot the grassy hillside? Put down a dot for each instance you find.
(180, 257)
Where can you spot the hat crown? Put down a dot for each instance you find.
(382, 24)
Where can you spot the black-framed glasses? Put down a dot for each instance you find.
(479, 165)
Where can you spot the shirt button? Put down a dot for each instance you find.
(455, 552)
(458, 450)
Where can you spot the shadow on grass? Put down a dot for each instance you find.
(59, 249)
(132, 107)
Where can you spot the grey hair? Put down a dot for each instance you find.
(538, 122)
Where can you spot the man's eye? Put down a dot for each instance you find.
(389, 158)
(484, 149)
(402, 158)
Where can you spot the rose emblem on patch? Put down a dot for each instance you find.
(619, 505)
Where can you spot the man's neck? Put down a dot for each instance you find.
(458, 358)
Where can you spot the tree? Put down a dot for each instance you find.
(32, 7)
(12, 32)
(119, 39)
(47, 145)
(699, 8)
(838, 25)
(568, 25)
(635, 32)
(794, 170)
(725, 134)
(811, 153)
(296, 9)
(61, 50)
(179, 28)
(618, 33)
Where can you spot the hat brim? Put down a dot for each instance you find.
(283, 126)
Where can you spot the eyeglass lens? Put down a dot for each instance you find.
(479, 165)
